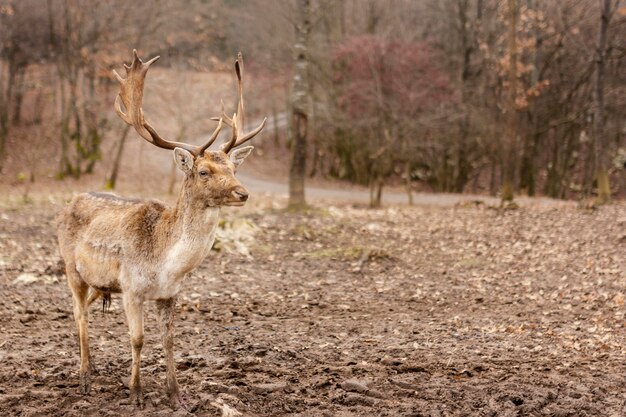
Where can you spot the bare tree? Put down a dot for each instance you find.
(300, 105)
(537, 100)
(600, 138)
(510, 147)
(22, 43)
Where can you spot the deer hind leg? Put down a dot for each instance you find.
(94, 294)
(79, 290)
(166, 322)
(134, 315)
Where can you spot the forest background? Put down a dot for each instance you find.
(466, 96)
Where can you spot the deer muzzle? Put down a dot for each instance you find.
(240, 195)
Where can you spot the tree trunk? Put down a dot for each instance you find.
(112, 180)
(94, 133)
(407, 173)
(600, 138)
(510, 148)
(299, 107)
(376, 191)
(467, 48)
(493, 164)
(298, 162)
(19, 95)
(276, 128)
(6, 98)
(554, 178)
(528, 167)
(64, 162)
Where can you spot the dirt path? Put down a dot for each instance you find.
(360, 195)
(341, 192)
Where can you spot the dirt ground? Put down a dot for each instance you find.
(343, 311)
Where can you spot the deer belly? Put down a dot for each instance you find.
(98, 266)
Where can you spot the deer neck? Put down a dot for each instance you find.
(194, 220)
(192, 233)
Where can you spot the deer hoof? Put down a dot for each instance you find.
(136, 397)
(177, 401)
(92, 367)
(84, 382)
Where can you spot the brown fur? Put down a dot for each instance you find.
(143, 250)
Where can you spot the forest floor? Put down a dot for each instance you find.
(342, 311)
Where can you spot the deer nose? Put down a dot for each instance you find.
(241, 195)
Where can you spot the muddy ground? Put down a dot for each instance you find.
(343, 311)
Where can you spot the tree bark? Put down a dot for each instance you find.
(4, 114)
(299, 107)
(276, 128)
(376, 191)
(510, 158)
(112, 180)
(467, 48)
(407, 173)
(600, 138)
(19, 95)
(528, 177)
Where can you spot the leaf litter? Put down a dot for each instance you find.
(343, 312)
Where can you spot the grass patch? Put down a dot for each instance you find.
(351, 253)
(471, 262)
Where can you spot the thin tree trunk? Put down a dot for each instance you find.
(510, 156)
(379, 192)
(94, 134)
(376, 191)
(76, 136)
(467, 48)
(407, 173)
(551, 188)
(112, 180)
(65, 167)
(600, 138)
(19, 95)
(493, 164)
(299, 107)
(276, 129)
(4, 128)
(531, 140)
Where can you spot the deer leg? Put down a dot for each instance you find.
(134, 314)
(166, 322)
(79, 290)
(93, 296)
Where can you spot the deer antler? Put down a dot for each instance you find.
(237, 121)
(131, 95)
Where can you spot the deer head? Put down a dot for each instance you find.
(209, 175)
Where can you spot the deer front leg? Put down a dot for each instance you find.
(134, 314)
(166, 322)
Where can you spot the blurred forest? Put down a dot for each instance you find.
(511, 96)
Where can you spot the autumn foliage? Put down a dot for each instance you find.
(376, 76)
(385, 87)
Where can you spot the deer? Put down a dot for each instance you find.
(144, 249)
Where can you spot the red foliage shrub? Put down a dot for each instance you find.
(375, 74)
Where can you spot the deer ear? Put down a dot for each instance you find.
(238, 155)
(183, 159)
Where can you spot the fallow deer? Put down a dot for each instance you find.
(143, 249)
